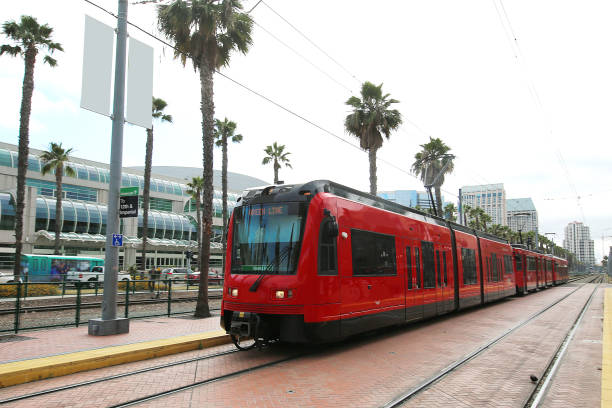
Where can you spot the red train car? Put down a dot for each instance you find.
(525, 266)
(319, 262)
(560, 273)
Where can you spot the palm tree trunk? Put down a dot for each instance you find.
(59, 170)
(276, 167)
(373, 180)
(199, 227)
(24, 151)
(224, 187)
(208, 113)
(438, 190)
(145, 195)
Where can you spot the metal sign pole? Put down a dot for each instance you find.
(109, 324)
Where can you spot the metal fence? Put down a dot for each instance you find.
(28, 305)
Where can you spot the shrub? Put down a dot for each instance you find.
(10, 290)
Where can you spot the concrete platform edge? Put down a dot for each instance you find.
(20, 372)
(606, 374)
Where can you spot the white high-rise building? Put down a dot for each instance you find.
(521, 214)
(490, 197)
(578, 240)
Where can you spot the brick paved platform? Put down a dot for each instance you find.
(41, 354)
(368, 371)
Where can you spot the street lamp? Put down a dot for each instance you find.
(521, 226)
(553, 240)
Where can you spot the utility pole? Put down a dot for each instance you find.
(460, 209)
(109, 323)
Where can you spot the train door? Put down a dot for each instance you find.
(441, 290)
(327, 281)
(414, 286)
(429, 279)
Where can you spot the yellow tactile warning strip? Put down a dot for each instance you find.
(20, 372)
(606, 373)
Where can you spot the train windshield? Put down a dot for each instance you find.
(266, 238)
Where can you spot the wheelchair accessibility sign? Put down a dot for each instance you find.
(117, 240)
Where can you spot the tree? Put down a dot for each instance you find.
(195, 191)
(370, 119)
(55, 160)
(224, 131)
(207, 31)
(277, 155)
(30, 37)
(157, 108)
(449, 212)
(431, 164)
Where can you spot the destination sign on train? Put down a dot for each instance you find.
(269, 210)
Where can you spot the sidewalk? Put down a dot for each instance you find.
(48, 353)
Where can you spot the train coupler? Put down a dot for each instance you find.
(244, 324)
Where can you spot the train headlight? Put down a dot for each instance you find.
(283, 293)
(233, 292)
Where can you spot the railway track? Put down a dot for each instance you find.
(411, 393)
(113, 377)
(92, 305)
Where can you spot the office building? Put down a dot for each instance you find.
(521, 215)
(490, 197)
(578, 240)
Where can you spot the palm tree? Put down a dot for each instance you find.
(157, 109)
(370, 119)
(195, 191)
(276, 154)
(55, 160)
(29, 37)
(449, 212)
(224, 131)
(207, 31)
(431, 164)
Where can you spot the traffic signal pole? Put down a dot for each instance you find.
(109, 323)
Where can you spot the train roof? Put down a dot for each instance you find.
(303, 192)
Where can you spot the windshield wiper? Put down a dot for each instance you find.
(285, 253)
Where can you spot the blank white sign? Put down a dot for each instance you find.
(139, 84)
(97, 66)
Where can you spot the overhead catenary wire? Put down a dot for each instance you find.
(518, 54)
(388, 163)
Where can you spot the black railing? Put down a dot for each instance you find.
(37, 305)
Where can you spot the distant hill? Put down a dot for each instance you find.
(235, 181)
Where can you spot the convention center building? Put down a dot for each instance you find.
(172, 212)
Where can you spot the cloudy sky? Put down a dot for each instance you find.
(520, 90)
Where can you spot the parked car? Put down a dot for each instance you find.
(175, 273)
(193, 278)
(96, 274)
(214, 278)
(8, 278)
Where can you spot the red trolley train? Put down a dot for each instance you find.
(319, 262)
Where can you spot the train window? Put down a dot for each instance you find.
(373, 253)
(408, 267)
(438, 268)
(468, 258)
(531, 263)
(444, 266)
(494, 272)
(429, 271)
(417, 263)
(508, 264)
(327, 250)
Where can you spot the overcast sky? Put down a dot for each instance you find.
(520, 90)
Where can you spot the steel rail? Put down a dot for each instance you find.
(207, 381)
(113, 377)
(541, 389)
(425, 384)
